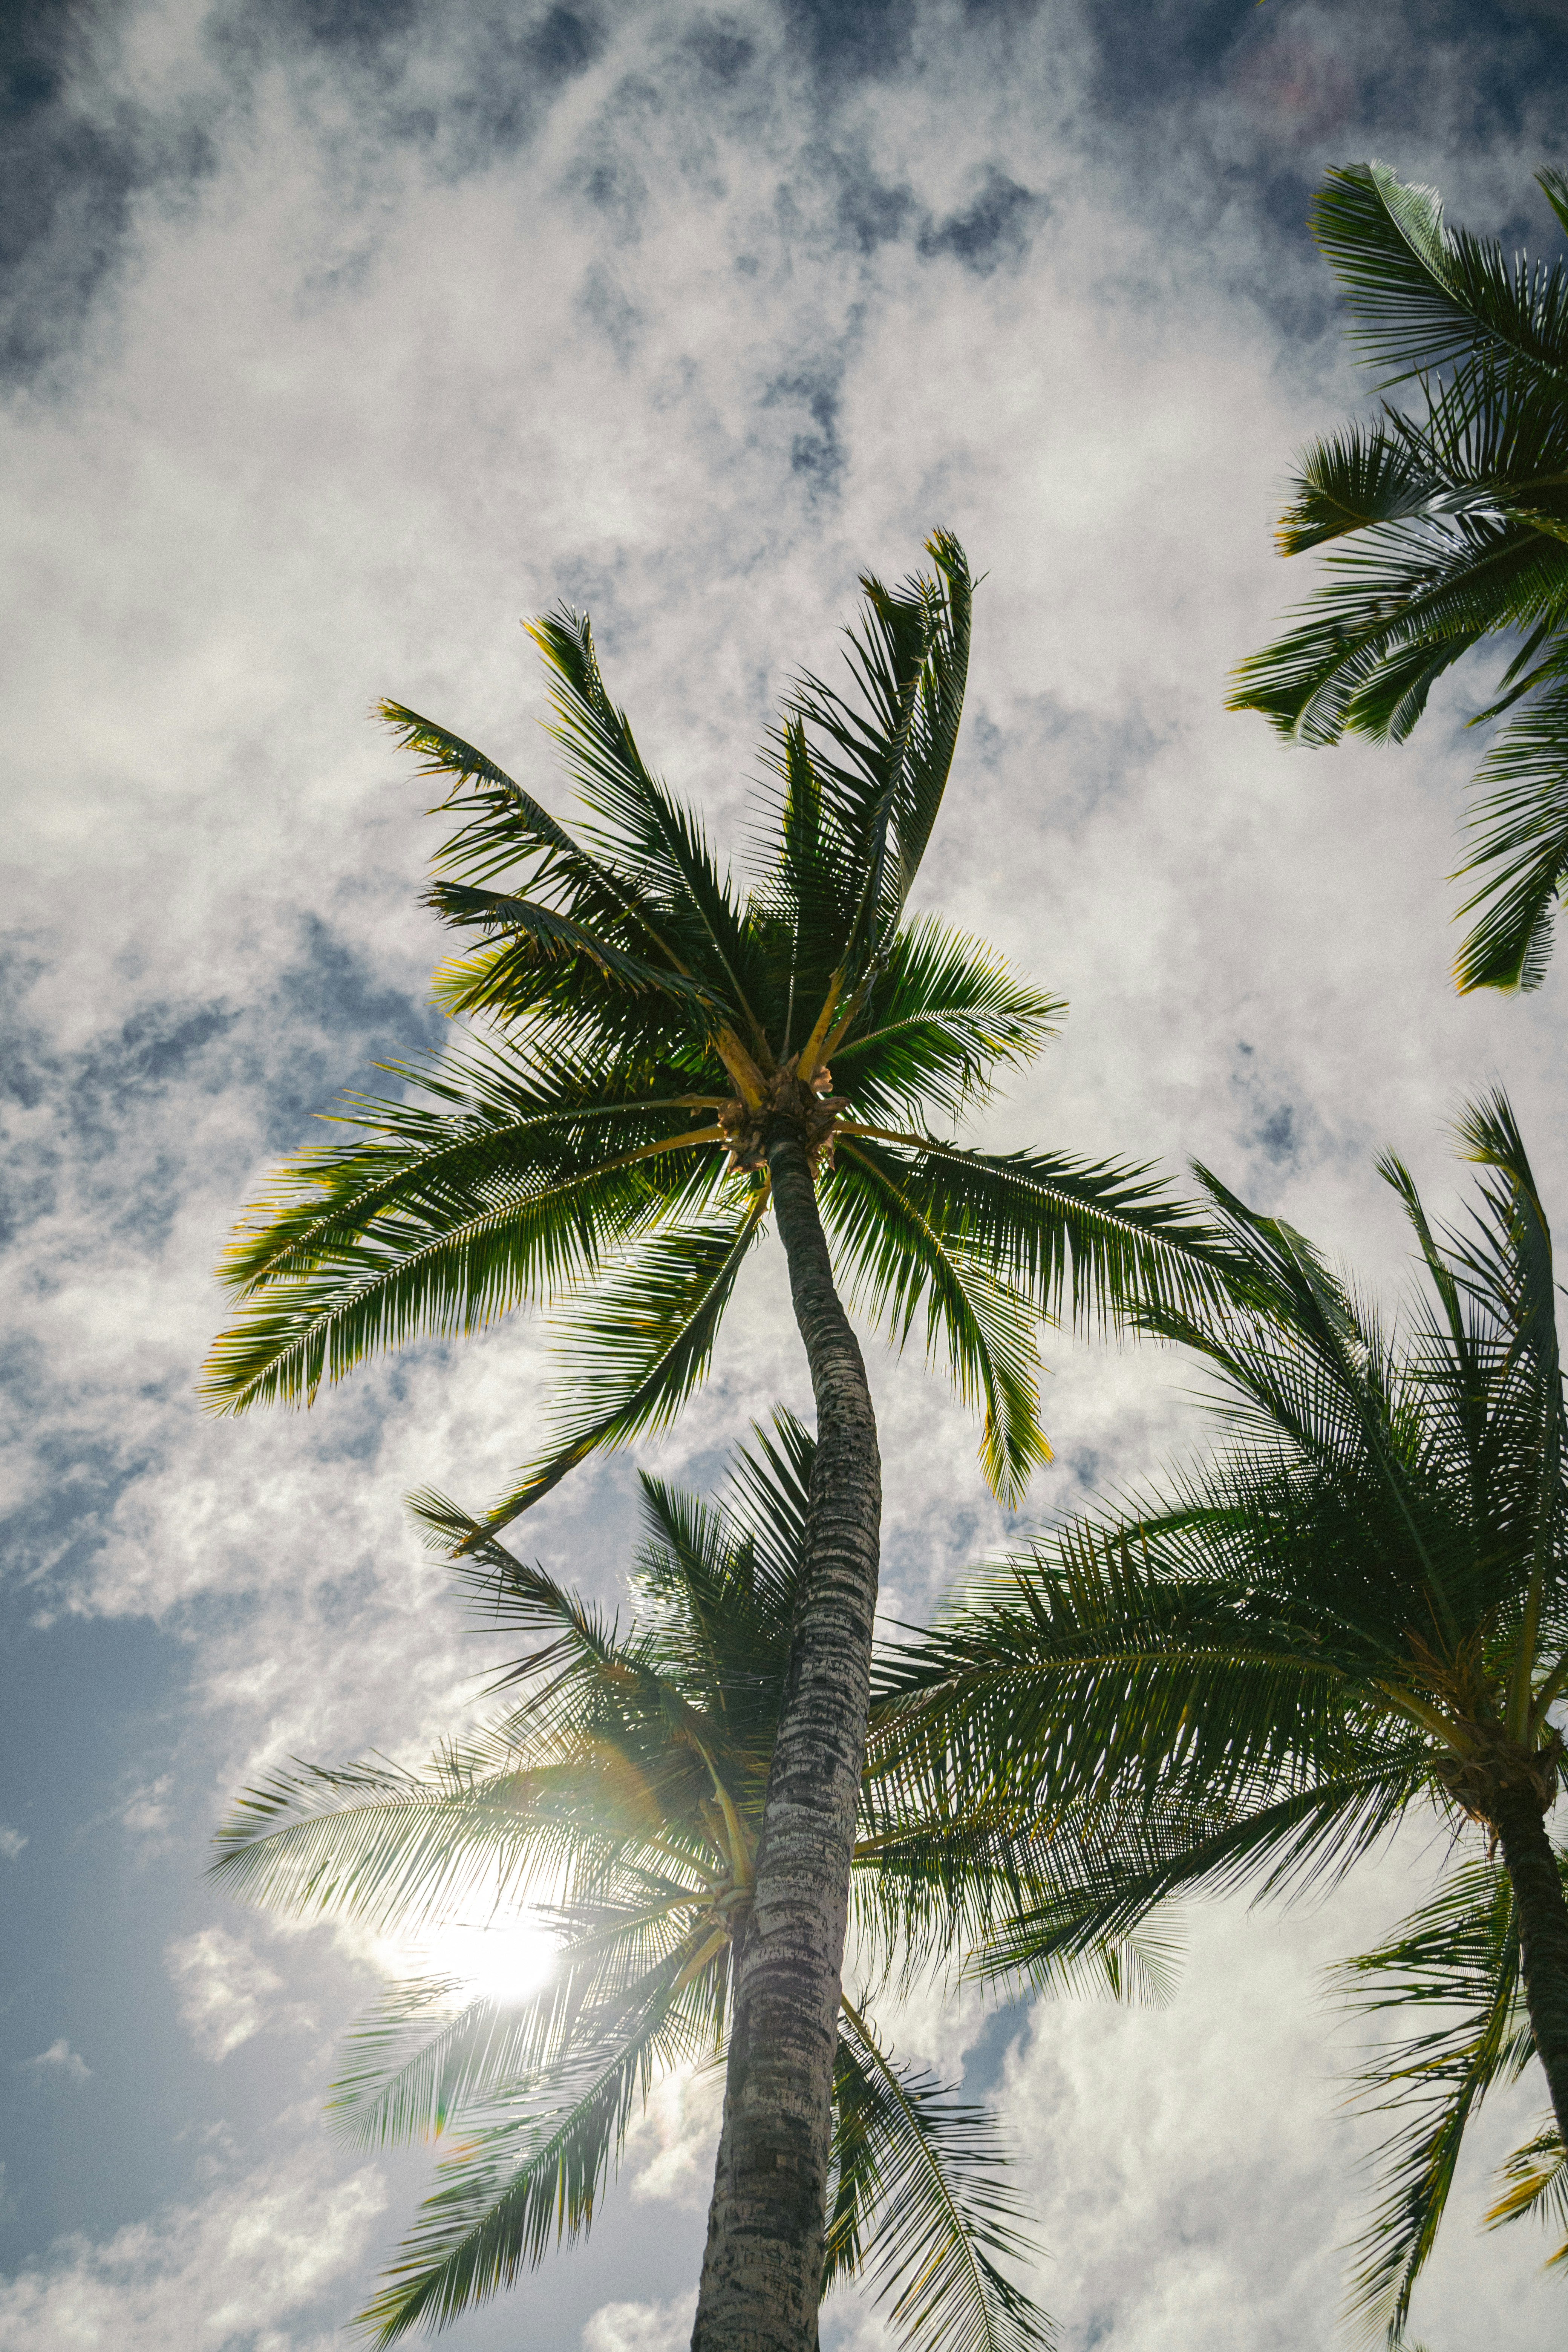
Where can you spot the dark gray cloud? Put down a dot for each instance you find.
(1261, 97)
(994, 228)
(852, 40)
(75, 153)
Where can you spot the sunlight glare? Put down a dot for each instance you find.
(505, 1962)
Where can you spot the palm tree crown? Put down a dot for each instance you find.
(620, 1796)
(1359, 1607)
(1456, 518)
(605, 1142)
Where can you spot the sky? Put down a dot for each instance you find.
(340, 335)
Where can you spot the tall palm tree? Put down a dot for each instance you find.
(1456, 515)
(619, 1800)
(1358, 1611)
(657, 1078)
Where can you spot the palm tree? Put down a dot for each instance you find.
(656, 1079)
(619, 1799)
(1359, 1611)
(1458, 1956)
(1457, 516)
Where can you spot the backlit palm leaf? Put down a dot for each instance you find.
(616, 1803)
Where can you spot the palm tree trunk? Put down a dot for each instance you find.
(762, 2272)
(1542, 1917)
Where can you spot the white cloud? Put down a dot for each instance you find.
(146, 1814)
(227, 1991)
(60, 2059)
(1196, 2170)
(641, 2326)
(236, 2270)
(11, 1843)
(671, 2146)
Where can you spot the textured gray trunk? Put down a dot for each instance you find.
(1542, 1933)
(762, 2272)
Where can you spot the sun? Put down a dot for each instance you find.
(503, 1960)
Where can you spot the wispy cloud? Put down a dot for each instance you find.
(227, 1991)
(59, 2059)
(242, 2267)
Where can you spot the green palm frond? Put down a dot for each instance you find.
(1127, 1869)
(881, 757)
(1362, 475)
(632, 1347)
(648, 833)
(519, 2186)
(1459, 1953)
(897, 1261)
(442, 1219)
(1423, 296)
(425, 2059)
(1092, 1242)
(1537, 2184)
(504, 823)
(923, 2205)
(1519, 831)
(1450, 525)
(1396, 610)
(511, 979)
(944, 1017)
(399, 1850)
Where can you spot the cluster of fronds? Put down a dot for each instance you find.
(1449, 523)
(634, 997)
(1249, 1679)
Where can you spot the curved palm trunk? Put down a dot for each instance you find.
(762, 2272)
(1543, 1919)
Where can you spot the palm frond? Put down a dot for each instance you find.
(519, 2186)
(1094, 1894)
(1536, 2179)
(1395, 609)
(633, 1346)
(898, 1260)
(1361, 475)
(1518, 836)
(879, 765)
(1459, 1953)
(944, 1016)
(1098, 1241)
(923, 2207)
(1423, 296)
(650, 835)
(538, 942)
(441, 1220)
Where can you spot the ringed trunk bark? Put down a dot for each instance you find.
(1543, 1919)
(762, 2271)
